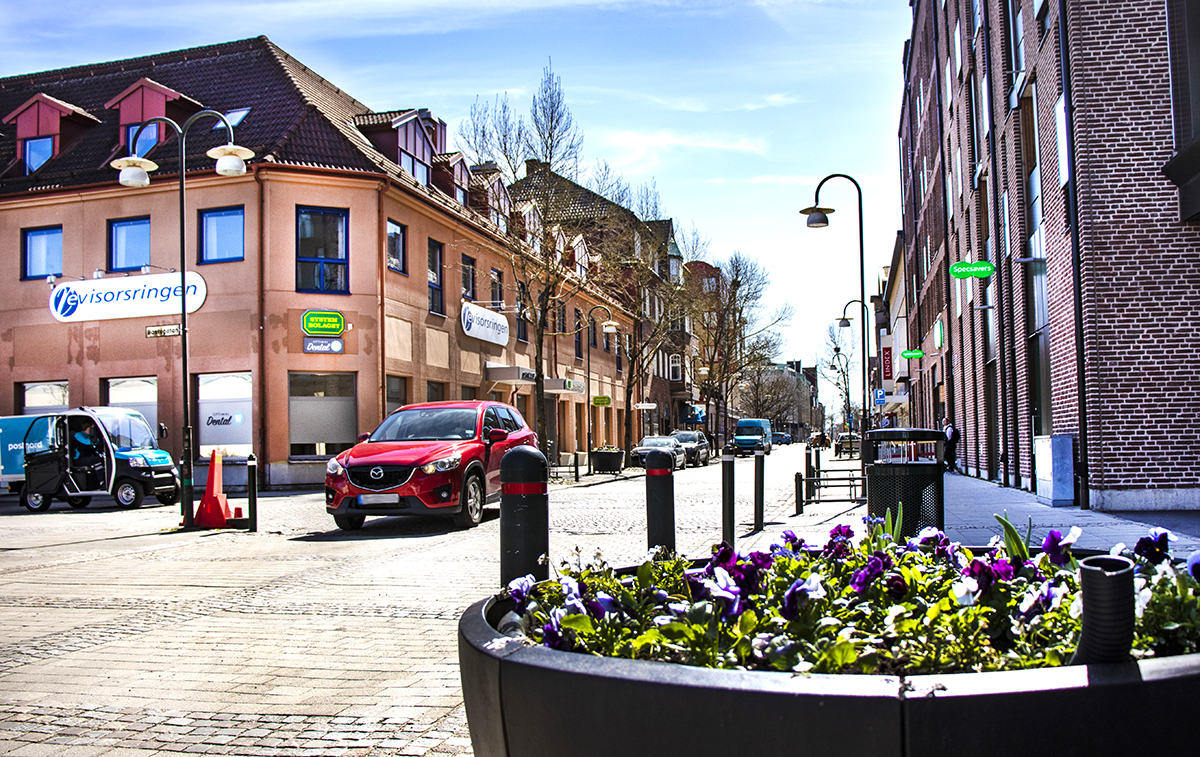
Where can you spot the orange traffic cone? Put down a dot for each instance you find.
(213, 510)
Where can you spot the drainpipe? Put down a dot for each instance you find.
(264, 458)
(1082, 475)
(381, 229)
(948, 340)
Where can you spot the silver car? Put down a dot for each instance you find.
(665, 443)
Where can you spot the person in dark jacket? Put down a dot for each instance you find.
(951, 444)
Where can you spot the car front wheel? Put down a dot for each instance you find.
(349, 522)
(35, 503)
(129, 494)
(470, 512)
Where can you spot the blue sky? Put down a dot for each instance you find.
(735, 109)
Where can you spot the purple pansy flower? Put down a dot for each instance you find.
(877, 564)
(722, 588)
(519, 588)
(1058, 547)
(799, 593)
(839, 546)
(895, 586)
(602, 604)
(1154, 548)
(1193, 564)
(981, 572)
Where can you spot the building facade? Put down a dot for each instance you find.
(358, 265)
(1051, 243)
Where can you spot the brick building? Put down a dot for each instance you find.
(1055, 141)
(363, 218)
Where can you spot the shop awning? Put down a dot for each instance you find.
(508, 374)
(695, 414)
(564, 386)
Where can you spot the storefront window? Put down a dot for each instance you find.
(44, 397)
(226, 408)
(322, 413)
(139, 393)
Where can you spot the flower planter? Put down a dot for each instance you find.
(606, 461)
(532, 701)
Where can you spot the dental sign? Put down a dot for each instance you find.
(126, 297)
(484, 324)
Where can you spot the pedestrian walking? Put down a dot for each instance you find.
(951, 444)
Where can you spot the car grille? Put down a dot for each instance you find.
(379, 477)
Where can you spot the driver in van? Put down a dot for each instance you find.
(87, 456)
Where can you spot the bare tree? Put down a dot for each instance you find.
(493, 132)
(837, 365)
(552, 137)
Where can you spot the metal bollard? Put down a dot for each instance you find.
(727, 496)
(660, 500)
(576, 457)
(810, 473)
(252, 491)
(799, 493)
(759, 464)
(817, 460)
(524, 514)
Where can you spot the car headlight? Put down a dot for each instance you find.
(441, 466)
(137, 461)
(333, 467)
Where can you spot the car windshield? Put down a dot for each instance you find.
(748, 431)
(657, 441)
(128, 431)
(686, 436)
(427, 424)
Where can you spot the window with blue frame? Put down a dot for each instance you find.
(397, 246)
(468, 277)
(222, 235)
(41, 252)
(146, 140)
(37, 152)
(437, 300)
(128, 244)
(322, 250)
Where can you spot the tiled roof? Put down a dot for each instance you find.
(295, 116)
(377, 119)
(563, 201)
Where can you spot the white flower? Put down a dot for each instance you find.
(964, 591)
(1157, 532)
(1076, 608)
(1071, 537)
(1143, 593)
(1117, 549)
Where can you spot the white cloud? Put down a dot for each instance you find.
(645, 149)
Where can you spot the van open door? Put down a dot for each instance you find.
(46, 461)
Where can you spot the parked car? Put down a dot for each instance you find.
(846, 444)
(695, 445)
(781, 437)
(435, 458)
(637, 455)
(752, 434)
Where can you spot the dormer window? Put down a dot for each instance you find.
(145, 141)
(146, 99)
(415, 168)
(45, 127)
(37, 152)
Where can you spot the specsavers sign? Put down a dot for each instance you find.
(484, 324)
(126, 297)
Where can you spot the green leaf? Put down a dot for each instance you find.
(747, 623)
(899, 523)
(645, 575)
(887, 521)
(839, 655)
(1017, 548)
(581, 623)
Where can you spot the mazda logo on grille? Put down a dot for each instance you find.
(377, 473)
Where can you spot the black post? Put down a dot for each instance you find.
(524, 514)
(660, 500)
(252, 491)
(576, 457)
(759, 458)
(799, 493)
(727, 496)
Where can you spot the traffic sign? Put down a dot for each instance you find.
(879, 397)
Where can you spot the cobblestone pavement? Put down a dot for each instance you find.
(122, 636)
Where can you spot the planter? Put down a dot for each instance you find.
(604, 461)
(533, 701)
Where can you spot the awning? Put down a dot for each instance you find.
(509, 374)
(564, 386)
(695, 414)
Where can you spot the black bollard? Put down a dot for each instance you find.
(524, 514)
(660, 499)
(252, 491)
(727, 496)
(759, 457)
(576, 456)
(1109, 600)
(799, 493)
(810, 473)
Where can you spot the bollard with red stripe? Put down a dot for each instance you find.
(660, 499)
(524, 514)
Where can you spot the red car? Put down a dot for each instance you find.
(436, 458)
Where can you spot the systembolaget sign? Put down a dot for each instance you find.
(484, 324)
(126, 297)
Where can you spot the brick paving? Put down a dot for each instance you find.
(120, 635)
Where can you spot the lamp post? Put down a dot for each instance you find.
(845, 372)
(610, 327)
(134, 173)
(818, 217)
(844, 322)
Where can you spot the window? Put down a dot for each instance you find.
(523, 405)
(226, 409)
(43, 397)
(435, 391)
(145, 141)
(522, 323)
(222, 235)
(469, 392)
(397, 250)
(322, 254)
(562, 319)
(397, 393)
(37, 152)
(235, 116)
(591, 331)
(578, 333)
(437, 302)
(607, 342)
(676, 368)
(415, 168)
(128, 244)
(322, 413)
(41, 252)
(468, 277)
(620, 367)
(497, 289)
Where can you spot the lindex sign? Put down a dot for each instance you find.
(966, 270)
(912, 354)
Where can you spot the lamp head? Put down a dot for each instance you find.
(231, 159)
(817, 217)
(98, 273)
(610, 327)
(134, 171)
(844, 323)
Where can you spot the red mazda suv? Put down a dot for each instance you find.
(436, 458)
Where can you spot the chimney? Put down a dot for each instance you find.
(533, 165)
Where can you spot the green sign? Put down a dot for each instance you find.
(912, 354)
(601, 400)
(323, 323)
(965, 270)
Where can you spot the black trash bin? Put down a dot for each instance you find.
(904, 475)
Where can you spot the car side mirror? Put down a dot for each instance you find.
(363, 437)
(162, 431)
(497, 435)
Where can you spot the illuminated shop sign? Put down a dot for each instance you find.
(126, 297)
(484, 324)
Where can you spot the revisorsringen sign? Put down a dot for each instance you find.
(126, 297)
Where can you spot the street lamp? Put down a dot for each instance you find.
(610, 327)
(818, 217)
(845, 371)
(135, 173)
(844, 323)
